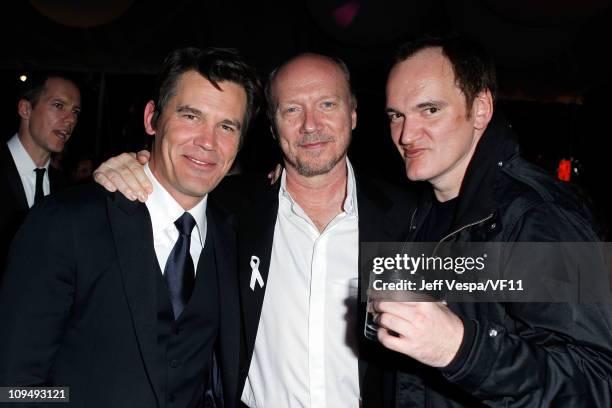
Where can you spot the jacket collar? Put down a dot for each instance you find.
(478, 195)
(221, 227)
(374, 206)
(131, 227)
(13, 178)
(255, 236)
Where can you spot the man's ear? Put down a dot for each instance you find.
(24, 108)
(149, 112)
(482, 109)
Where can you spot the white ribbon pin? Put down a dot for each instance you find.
(255, 275)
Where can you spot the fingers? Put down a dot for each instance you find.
(126, 174)
(392, 341)
(394, 323)
(112, 180)
(101, 179)
(397, 308)
(429, 332)
(143, 157)
(275, 174)
(143, 185)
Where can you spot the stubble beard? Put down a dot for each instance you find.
(313, 168)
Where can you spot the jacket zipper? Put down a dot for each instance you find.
(412, 226)
(461, 229)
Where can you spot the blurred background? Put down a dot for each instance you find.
(553, 69)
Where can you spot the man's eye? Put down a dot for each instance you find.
(432, 109)
(58, 105)
(228, 129)
(189, 116)
(395, 116)
(328, 104)
(291, 109)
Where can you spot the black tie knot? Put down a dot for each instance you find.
(185, 224)
(40, 173)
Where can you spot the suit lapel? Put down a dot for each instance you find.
(133, 236)
(14, 181)
(224, 243)
(256, 233)
(376, 224)
(56, 181)
(384, 216)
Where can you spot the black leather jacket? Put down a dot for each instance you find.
(516, 354)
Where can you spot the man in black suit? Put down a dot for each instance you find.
(125, 302)
(299, 246)
(48, 109)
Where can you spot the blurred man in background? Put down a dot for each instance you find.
(48, 109)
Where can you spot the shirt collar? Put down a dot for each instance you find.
(164, 209)
(350, 202)
(23, 161)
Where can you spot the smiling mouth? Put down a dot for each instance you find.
(314, 145)
(199, 163)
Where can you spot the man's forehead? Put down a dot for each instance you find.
(425, 69)
(187, 78)
(317, 73)
(196, 92)
(60, 87)
(60, 82)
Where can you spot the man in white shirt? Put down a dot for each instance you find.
(299, 246)
(303, 353)
(48, 110)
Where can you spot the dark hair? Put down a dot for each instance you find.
(216, 65)
(36, 84)
(271, 104)
(473, 67)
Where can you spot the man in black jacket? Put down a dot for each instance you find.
(48, 109)
(440, 98)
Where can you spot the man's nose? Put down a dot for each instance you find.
(206, 137)
(310, 123)
(410, 131)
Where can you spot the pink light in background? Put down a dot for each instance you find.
(345, 14)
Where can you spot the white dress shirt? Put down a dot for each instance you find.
(164, 210)
(25, 167)
(305, 353)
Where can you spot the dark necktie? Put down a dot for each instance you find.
(179, 270)
(39, 193)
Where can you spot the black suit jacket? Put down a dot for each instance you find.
(384, 215)
(14, 201)
(82, 311)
